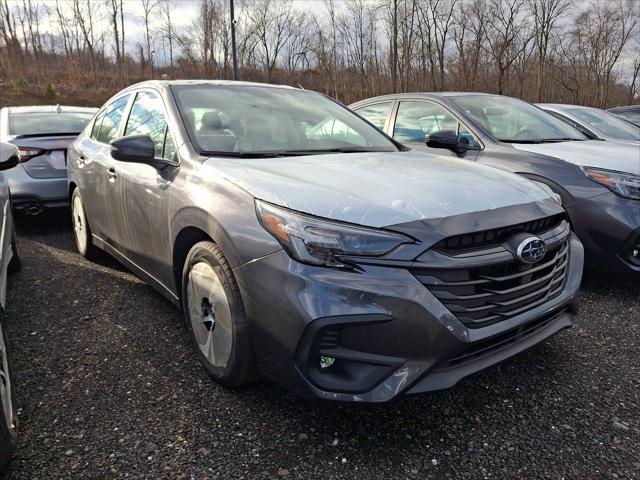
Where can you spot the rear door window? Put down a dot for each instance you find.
(376, 113)
(110, 125)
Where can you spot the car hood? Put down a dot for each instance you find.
(377, 188)
(590, 153)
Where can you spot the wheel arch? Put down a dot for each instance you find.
(566, 197)
(190, 226)
(72, 186)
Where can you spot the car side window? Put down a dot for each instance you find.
(376, 113)
(169, 149)
(147, 117)
(96, 125)
(416, 120)
(110, 124)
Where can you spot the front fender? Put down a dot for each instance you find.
(227, 215)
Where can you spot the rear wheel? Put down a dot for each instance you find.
(215, 316)
(81, 230)
(8, 420)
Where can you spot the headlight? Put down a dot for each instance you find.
(321, 242)
(624, 184)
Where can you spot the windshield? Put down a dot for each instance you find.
(606, 122)
(631, 115)
(48, 123)
(237, 120)
(512, 120)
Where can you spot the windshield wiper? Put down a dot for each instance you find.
(208, 153)
(541, 140)
(510, 140)
(565, 139)
(321, 151)
(291, 153)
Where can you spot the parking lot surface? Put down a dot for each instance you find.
(109, 387)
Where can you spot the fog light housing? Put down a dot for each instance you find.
(332, 364)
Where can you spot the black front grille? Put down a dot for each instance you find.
(479, 296)
(497, 235)
(505, 339)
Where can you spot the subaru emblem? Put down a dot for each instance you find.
(531, 250)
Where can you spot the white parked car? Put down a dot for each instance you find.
(596, 124)
(9, 261)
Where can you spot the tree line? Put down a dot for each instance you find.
(584, 52)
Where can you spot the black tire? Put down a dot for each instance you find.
(8, 435)
(240, 368)
(87, 248)
(14, 264)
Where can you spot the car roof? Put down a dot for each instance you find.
(563, 106)
(50, 109)
(427, 95)
(235, 83)
(625, 108)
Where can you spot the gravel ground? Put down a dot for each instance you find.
(108, 387)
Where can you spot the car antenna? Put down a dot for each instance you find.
(58, 109)
(301, 87)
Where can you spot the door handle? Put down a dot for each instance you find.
(112, 174)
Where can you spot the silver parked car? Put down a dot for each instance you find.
(42, 134)
(303, 243)
(596, 124)
(630, 113)
(9, 262)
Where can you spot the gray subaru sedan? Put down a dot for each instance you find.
(304, 244)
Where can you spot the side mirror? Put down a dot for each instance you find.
(134, 148)
(447, 139)
(137, 149)
(9, 157)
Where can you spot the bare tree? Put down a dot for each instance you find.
(507, 34)
(83, 15)
(113, 8)
(268, 24)
(148, 7)
(546, 14)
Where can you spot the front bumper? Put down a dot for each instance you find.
(609, 227)
(389, 335)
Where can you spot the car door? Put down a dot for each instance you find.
(145, 235)
(415, 120)
(93, 168)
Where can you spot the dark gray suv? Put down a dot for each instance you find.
(304, 244)
(599, 182)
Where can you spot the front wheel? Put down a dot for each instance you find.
(8, 419)
(81, 230)
(215, 316)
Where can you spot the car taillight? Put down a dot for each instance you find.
(27, 153)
